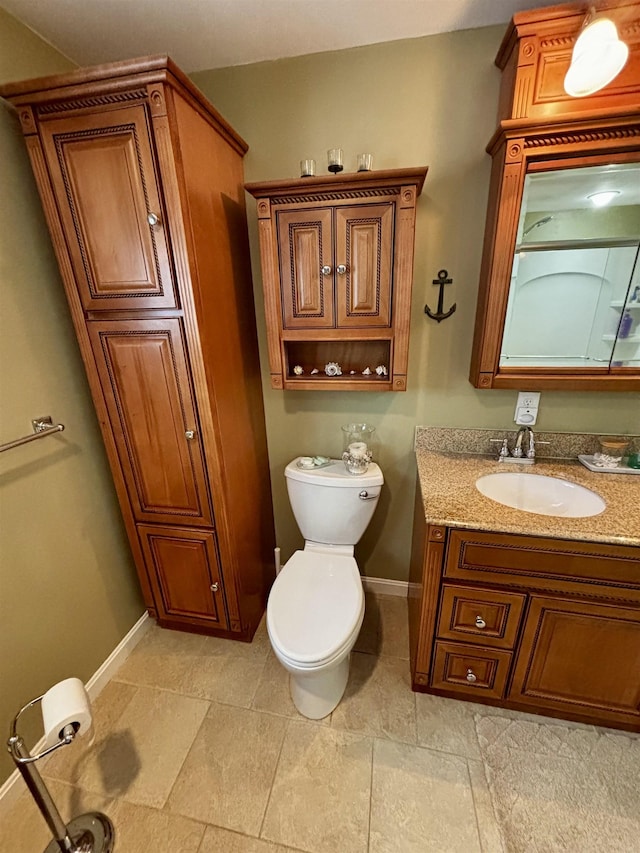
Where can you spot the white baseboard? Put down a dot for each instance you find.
(384, 586)
(9, 790)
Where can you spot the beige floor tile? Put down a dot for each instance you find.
(140, 758)
(163, 658)
(22, 828)
(394, 626)
(320, 796)
(488, 828)
(226, 671)
(421, 801)
(217, 840)
(67, 762)
(140, 829)
(447, 725)
(378, 699)
(228, 773)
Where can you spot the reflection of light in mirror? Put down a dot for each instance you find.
(603, 198)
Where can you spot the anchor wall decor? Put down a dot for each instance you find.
(440, 314)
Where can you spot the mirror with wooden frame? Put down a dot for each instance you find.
(559, 300)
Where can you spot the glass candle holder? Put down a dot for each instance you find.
(357, 447)
(611, 452)
(365, 162)
(334, 156)
(307, 168)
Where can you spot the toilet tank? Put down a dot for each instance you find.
(327, 503)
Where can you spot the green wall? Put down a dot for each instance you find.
(429, 101)
(68, 590)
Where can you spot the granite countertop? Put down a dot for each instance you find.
(447, 483)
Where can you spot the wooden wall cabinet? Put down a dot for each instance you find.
(543, 130)
(528, 623)
(337, 272)
(142, 185)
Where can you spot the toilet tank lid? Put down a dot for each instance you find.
(335, 475)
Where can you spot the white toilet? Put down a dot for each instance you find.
(316, 605)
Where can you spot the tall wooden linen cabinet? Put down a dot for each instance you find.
(142, 186)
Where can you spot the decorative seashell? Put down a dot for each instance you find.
(298, 370)
(351, 372)
(381, 370)
(333, 369)
(314, 371)
(366, 371)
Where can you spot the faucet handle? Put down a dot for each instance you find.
(504, 450)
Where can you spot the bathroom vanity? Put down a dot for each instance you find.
(525, 611)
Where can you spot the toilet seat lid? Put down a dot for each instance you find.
(315, 605)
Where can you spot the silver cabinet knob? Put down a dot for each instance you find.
(190, 434)
(480, 623)
(153, 218)
(471, 676)
(341, 269)
(215, 587)
(326, 270)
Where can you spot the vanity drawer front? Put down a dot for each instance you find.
(470, 670)
(480, 616)
(540, 563)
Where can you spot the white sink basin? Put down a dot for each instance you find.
(540, 494)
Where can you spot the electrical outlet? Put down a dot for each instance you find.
(526, 413)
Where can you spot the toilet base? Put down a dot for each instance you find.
(316, 695)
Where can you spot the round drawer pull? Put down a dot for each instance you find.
(326, 270)
(480, 623)
(471, 676)
(153, 219)
(214, 587)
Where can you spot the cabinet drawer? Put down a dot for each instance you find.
(480, 616)
(470, 670)
(538, 563)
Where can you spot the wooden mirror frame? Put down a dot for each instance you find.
(541, 127)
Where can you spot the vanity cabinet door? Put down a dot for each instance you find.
(364, 251)
(143, 370)
(580, 658)
(306, 268)
(107, 189)
(186, 580)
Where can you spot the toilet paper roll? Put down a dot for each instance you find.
(65, 703)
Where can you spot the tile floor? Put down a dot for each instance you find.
(199, 749)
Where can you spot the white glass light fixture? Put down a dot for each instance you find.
(598, 57)
(603, 198)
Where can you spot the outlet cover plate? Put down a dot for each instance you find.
(526, 413)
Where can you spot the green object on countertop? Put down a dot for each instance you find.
(634, 460)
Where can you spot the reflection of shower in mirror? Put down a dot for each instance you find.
(537, 224)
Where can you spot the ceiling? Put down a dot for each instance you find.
(200, 34)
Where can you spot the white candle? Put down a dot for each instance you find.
(358, 449)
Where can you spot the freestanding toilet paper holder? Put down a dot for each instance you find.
(89, 833)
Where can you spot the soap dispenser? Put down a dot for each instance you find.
(625, 325)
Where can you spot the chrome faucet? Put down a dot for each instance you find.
(518, 454)
(531, 447)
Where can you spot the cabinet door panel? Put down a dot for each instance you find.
(581, 657)
(304, 241)
(143, 372)
(184, 573)
(104, 178)
(364, 246)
